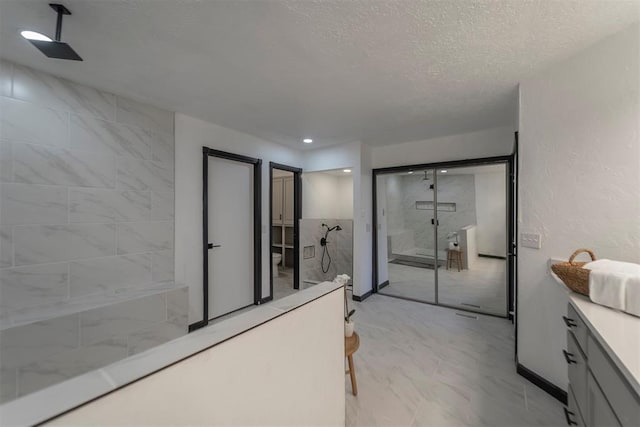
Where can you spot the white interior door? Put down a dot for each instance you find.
(230, 230)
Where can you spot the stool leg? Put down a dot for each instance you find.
(352, 374)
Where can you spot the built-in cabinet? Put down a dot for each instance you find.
(283, 216)
(599, 393)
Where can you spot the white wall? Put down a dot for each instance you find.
(579, 182)
(344, 201)
(473, 145)
(296, 381)
(191, 135)
(326, 195)
(491, 213)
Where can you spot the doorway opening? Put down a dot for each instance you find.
(443, 234)
(231, 233)
(326, 230)
(285, 201)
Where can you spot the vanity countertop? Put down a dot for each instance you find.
(617, 332)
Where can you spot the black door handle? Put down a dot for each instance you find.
(211, 246)
(569, 322)
(567, 415)
(567, 357)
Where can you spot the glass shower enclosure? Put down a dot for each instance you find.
(442, 236)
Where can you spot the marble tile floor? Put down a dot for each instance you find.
(423, 365)
(283, 284)
(484, 286)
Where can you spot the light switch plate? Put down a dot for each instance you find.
(531, 240)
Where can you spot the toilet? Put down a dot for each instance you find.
(275, 260)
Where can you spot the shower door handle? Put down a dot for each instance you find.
(434, 222)
(211, 246)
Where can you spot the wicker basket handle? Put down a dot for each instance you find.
(579, 251)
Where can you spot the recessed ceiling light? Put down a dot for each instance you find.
(307, 140)
(32, 35)
(410, 172)
(443, 171)
(346, 170)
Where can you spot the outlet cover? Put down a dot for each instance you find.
(531, 240)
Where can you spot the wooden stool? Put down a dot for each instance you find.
(351, 345)
(454, 255)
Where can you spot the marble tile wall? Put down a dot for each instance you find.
(402, 194)
(86, 212)
(86, 190)
(340, 248)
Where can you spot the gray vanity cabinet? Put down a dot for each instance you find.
(598, 395)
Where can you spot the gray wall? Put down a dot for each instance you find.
(86, 193)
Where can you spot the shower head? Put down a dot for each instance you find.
(338, 228)
(53, 48)
(426, 176)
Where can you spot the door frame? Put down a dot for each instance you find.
(257, 226)
(297, 215)
(511, 279)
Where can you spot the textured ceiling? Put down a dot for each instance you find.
(336, 71)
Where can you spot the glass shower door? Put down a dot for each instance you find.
(407, 259)
(472, 238)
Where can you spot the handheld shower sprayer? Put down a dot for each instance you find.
(325, 250)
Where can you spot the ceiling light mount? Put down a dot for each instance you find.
(53, 48)
(307, 140)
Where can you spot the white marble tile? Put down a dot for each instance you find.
(6, 162)
(145, 236)
(35, 244)
(34, 86)
(33, 285)
(162, 206)
(32, 204)
(34, 164)
(8, 385)
(178, 305)
(421, 365)
(105, 205)
(163, 148)
(136, 174)
(122, 318)
(155, 335)
(22, 121)
(103, 275)
(88, 133)
(6, 246)
(67, 365)
(6, 70)
(139, 114)
(22, 345)
(162, 267)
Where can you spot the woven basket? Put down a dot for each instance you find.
(572, 274)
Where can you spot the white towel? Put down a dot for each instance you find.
(633, 296)
(615, 284)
